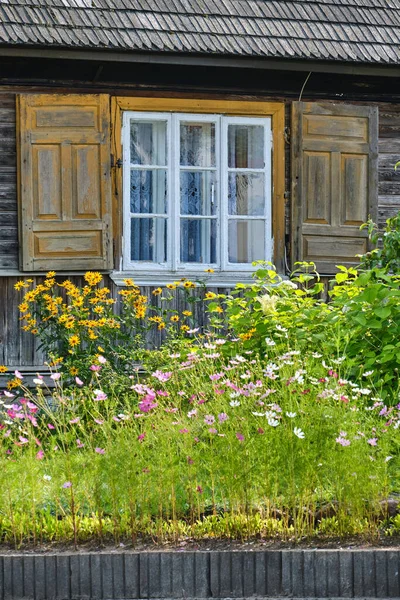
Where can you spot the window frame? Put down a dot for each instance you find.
(206, 107)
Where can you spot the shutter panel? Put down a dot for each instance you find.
(64, 182)
(334, 182)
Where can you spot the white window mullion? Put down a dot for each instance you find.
(224, 192)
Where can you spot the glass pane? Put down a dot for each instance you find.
(246, 146)
(199, 240)
(197, 144)
(246, 194)
(198, 193)
(149, 143)
(149, 239)
(149, 191)
(246, 241)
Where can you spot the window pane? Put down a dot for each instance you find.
(198, 193)
(148, 143)
(246, 241)
(197, 144)
(199, 240)
(149, 191)
(246, 194)
(149, 239)
(246, 146)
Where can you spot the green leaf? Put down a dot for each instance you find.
(383, 312)
(375, 324)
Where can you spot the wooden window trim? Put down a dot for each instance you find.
(245, 108)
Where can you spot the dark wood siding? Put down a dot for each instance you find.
(8, 184)
(20, 349)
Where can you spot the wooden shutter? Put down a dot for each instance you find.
(64, 182)
(334, 182)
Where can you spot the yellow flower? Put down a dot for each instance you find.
(50, 274)
(35, 331)
(20, 284)
(73, 371)
(93, 277)
(23, 307)
(185, 328)
(174, 318)
(210, 295)
(92, 335)
(209, 270)
(155, 319)
(74, 340)
(13, 383)
(129, 283)
(157, 291)
(161, 325)
(187, 313)
(98, 310)
(189, 284)
(219, 309)
(171, 286)
(3, 369)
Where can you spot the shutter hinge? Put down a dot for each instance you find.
(286, 134)
(116, 163)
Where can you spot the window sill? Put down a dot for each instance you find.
(217, 279)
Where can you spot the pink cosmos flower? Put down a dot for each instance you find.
(163, 377)
(55, 376)
(23, 440)
(18, 375)
(79, 444)
(50, 426)
(40, 455)
(95, 368)
(99, 421)
(190, 460)
(73, 421)
(101, 359)
(8, 394)
(99, 395)
(343, 441)
(99, 450)
(78, 381)
(240, 437)
(209, 419)
(67, 485)
(184, 430)
(192, 413)
(212, 430)
(147, 404)
(222, 417)
(216, 376)
(116, 419)
(373, 441)
(32, 407)
(141, 437)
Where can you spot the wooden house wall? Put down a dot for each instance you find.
(20, 349)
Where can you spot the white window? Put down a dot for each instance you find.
(197, 193)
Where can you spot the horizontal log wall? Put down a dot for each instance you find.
(20, 349)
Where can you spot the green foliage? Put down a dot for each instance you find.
(387, 254)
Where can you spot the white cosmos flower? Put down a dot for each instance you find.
(291, 415)
(388, 458)
(316, 355)
(38, 381)
(258, 414)
(273, 422)
(269, 342)
(234, 403)
(367, 373)
(299, 433)
(47, 477)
